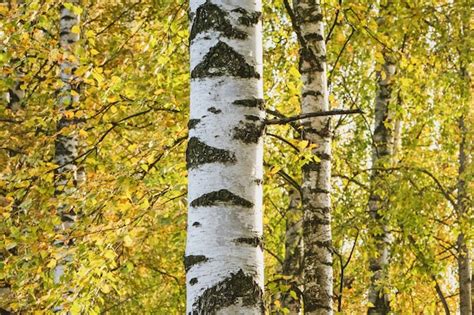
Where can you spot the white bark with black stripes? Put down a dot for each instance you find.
(316, 186)
(66, 147)
(224, 257)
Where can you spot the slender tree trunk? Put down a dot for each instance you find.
(15, 94)
(316, 203)
(293, 263)
(464, 261)
(224, 256)
(13, 100)
(66, 147)
(382, 150)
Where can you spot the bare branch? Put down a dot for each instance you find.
(281, 121)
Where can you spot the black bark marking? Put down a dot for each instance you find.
(248, 18)
(315, 64)
(199, 153)
(312, 93)
(193, 123)
(252, 117)
(222, 60)
(311, 166)
(214, 110)
(249, 132)
(238, 287)
(14, 98)
(318, 190)
(193, 281)
(68, 17)
(221, 196)
(191, 260)
(197, 224)
(314, 36)
(258, 181)
(210, 16)
(256, 241)
(310, 307)
(251, 102)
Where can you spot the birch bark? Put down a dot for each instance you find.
(316, 186)
(464, 259)
(224, 257)
(15, 94)
(293, 263)
(382, 151)
(66, 146)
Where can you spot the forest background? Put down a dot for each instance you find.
(128, 242)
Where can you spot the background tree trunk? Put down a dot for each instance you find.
(224, 256)
(293, 263)
(382, 150)
(66, 147)
(464, 260)
(318, 271)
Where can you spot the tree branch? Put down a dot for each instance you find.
(281, 121)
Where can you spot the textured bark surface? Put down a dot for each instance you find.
(224, 256)
(385, 142)
(15, 94)
(316, 186)
(293, 263)
(66, 147)
(382, 151)
(464, 259)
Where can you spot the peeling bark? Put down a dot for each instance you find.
(316, 186)
(225, 159)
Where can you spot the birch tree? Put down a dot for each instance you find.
(316, 186)
(382, 151)
(15, 94)
(224, 258)
(292, 265)
(462, 206)
(66, 146)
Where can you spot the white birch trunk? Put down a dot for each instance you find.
(15, 94)
(66, 150)
(316, 186)
(224, 257)
(464, 259)
(382, 151)
(293, 263)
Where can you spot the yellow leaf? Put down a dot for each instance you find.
(379, 57)
(275, 170)
(75, 308)
(89, 33)
(83, 133)
(96, 75)
(127, 241)
(303, 144)
(105, 288)
(69, 114)
(51, 264)
(75, 29)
